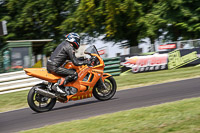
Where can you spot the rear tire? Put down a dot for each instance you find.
(44, 103)
(102, 94)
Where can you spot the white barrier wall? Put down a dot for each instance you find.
(16, 81)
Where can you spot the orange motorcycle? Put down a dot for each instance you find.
(91, 81)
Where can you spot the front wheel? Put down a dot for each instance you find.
(38, 102)
(103, 94)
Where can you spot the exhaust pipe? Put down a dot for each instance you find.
(49, 94)
(45, 93)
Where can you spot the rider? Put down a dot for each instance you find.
(65, 51)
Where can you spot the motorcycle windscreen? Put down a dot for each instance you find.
(41, 73)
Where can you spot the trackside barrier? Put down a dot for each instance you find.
(16, 81)
(112, 66)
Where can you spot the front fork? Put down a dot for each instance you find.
(101, 83)
(101, 80)
(105, 75)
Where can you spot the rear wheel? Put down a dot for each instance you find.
(38, 102)
(103, 94)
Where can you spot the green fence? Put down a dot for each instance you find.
(112, 66)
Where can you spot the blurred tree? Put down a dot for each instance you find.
(181, 18)
(37, 19)
(116, 19)
(3, 11)
(151, 22)
(174, 20)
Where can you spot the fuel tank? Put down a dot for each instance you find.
(42, 73)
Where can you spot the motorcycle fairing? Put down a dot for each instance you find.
(106, 75)
(86, 87)
(42, 73)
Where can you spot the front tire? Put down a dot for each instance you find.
(38, 102)
(105, 94)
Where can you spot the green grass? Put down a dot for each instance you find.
(130, 80)
(177, 117)
(11, 101)
(18, 100)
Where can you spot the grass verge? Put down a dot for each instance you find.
(178, 117)
(14, 100)
(18, 100)
(131, 80)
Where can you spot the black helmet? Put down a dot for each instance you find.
(73, 38)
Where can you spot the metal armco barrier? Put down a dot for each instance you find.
(112, 66)
(16, 81)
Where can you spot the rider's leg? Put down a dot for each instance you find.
(72, 75)
(59, 86)
(64, 80)
(69, 74)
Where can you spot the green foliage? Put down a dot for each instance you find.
(182, 18)
(36, 19)
(30, 19)
(117, 20)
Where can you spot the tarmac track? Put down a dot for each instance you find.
(24, 119)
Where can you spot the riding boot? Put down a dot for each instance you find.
(63, 81)
(59, 85)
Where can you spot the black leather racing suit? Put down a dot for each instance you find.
(63, 52)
